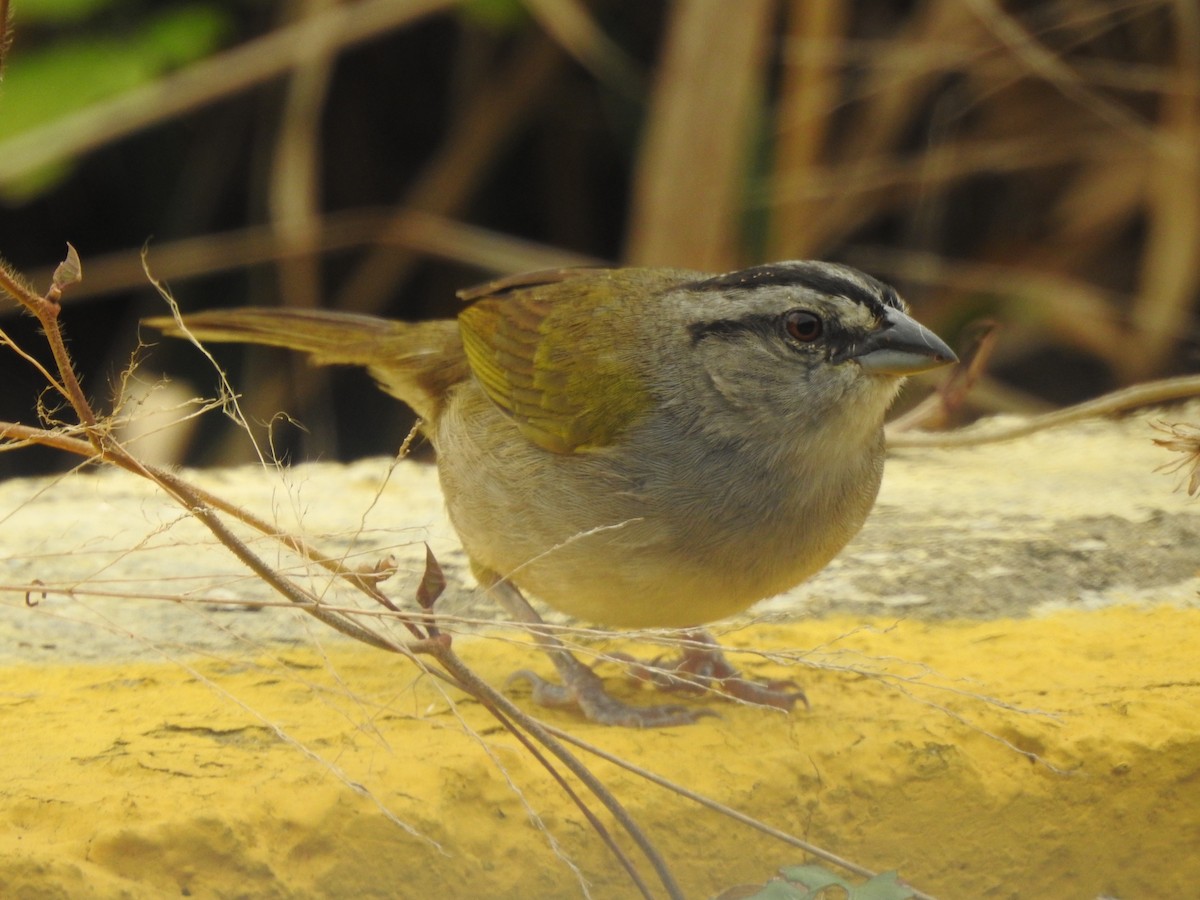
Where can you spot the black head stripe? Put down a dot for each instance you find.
(731, 328)
(820, 277)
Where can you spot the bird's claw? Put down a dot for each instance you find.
(704, 668)
(587, 694)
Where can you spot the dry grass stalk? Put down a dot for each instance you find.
(690, 184)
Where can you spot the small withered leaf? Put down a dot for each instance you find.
(433, 582)
(69, 271)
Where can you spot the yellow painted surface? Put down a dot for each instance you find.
(300, 774)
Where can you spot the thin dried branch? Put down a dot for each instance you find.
(811, 88)
(504, 710)
(483, 127)
(935, 410)
(204, 504)
(727, 811)
(1149, 394)
(886, 106)
(5, 34)
(571, 24)
(1048, 66)
(694, 161)
(409, 230)
(294, 210)
(1072, 309)
(1170, 265)
(293, 190)
(101, 445)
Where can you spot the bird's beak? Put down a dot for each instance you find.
(902, 346)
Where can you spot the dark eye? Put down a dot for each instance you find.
(803, 326)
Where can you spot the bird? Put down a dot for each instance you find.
(639, 447)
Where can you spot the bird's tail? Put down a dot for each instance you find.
(417, 362)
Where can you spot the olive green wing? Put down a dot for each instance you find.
(550, 350)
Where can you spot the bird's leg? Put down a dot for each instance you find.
(581, 687)
(702, 666)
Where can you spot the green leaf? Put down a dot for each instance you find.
(780, 890)
(189, 34)
(815, 878)
(498, 15)
(884, 886)
(51, 82)
(61, 12)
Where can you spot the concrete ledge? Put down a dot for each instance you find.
(1002, 670)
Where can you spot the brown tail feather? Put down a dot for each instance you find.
(416, 362)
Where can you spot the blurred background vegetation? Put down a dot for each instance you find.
(1032, 163)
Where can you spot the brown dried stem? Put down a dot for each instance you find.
(5, 34)
(1148, 394)
(101, 445)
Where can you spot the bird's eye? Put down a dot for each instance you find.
(803, 326)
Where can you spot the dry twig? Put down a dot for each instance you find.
(99, 444)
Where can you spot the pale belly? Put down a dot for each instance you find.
(634, 550)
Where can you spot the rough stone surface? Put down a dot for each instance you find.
(1001, 667)
(1073, 518)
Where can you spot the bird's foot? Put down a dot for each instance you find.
(583, 689)
(702, 666)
